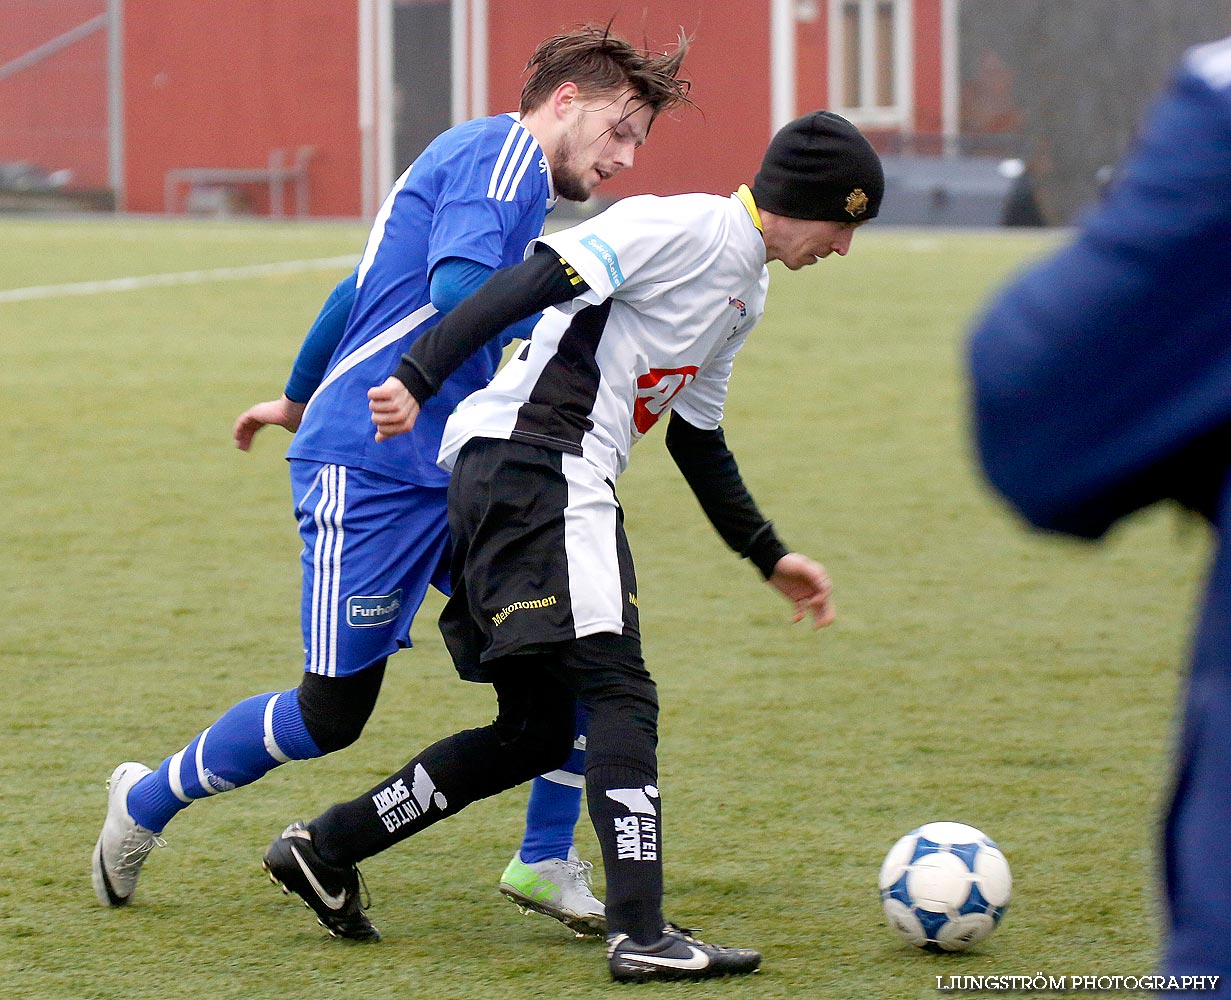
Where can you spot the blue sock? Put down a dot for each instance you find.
(248, 741)
(555, 805)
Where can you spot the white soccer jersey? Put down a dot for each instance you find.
(676, 284)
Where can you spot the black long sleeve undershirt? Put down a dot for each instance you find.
(509, 295)
(709, 469)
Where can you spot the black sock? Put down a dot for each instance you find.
(627, 815)
(532, 734)
(440, 781)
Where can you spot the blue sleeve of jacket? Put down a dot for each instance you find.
(321, 341)
(1101, 378)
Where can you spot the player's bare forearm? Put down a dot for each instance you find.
(394, 409)
(804, 583)
(282, 412)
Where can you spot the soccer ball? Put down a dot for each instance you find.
(945, 886)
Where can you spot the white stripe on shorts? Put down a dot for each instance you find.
(327, 570)
(594, 586)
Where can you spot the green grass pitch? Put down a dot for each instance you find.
(977, 672)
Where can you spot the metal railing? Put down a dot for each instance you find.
(277, 176)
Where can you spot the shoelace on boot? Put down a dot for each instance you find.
(581, 871)
(133, 856)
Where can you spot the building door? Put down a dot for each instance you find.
(422, 76)
(422, 68)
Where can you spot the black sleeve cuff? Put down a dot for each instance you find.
(415, 379)
(765, 550)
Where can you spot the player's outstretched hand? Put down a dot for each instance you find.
(805, 583)
(283, 412)
(393, 408)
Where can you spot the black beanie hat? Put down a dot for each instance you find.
(820, 167)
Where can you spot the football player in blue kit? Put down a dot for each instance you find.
(373, 518)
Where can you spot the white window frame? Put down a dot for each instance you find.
(900, 114)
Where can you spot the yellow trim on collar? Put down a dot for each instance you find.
(744, 194)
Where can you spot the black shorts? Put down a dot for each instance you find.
(539, 554)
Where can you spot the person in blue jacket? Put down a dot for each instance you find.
(373, 519)
(1102, 384)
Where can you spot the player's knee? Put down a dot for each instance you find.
(335, 709)
(610, 670)
(539, 743)
(622, 726)
(622, 708)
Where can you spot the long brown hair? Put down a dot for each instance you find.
(600, 62)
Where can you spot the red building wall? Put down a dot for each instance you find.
(54, 114)
(221, 84)
(713, 147)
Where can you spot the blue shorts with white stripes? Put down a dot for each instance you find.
(371, 547)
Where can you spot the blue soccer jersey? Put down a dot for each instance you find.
(479, 192)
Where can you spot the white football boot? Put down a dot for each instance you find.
(559, 888)
(123, 846)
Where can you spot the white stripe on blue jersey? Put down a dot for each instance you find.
(521, 170)
(514, 162)
(378, 227)
(373, 346)
(504, 152)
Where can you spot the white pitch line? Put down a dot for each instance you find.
(178, 278)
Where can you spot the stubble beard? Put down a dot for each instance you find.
(566, 178)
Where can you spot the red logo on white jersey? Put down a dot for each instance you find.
(655, 390)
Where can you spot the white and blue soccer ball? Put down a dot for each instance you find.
(945, 886)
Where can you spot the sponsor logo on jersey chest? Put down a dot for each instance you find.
(655, 391)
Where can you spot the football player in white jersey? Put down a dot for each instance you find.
(646, 306)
